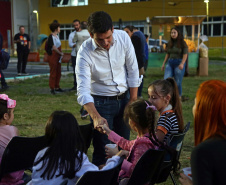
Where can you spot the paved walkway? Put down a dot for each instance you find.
(33, 68)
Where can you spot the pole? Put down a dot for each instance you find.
(222, 53)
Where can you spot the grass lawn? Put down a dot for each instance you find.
(35, 103)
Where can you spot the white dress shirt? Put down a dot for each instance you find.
(71, 43)
(106, 73)
(86, 166)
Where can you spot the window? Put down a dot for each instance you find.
(66, 3)
(217, 18)
(123, 1)
(65, 30)
(216, 29)
(207, 31)
(224, 28)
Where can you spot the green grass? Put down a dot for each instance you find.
(216, 54)
(35, 103)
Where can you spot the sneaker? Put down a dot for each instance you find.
(24, 74)
(59, 90)
(52, 91)
(19, 74)
(84, 113)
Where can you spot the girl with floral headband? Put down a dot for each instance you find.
(141, 117)
(7, 132)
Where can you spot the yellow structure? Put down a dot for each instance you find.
(136, 13)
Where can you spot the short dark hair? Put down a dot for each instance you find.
(99, 22)
(53, 26)
(130, 28)
(83, 25)
(21, 27)
(76, 20)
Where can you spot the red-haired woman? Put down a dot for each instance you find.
(208, 159)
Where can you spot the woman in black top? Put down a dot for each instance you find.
(208, 159)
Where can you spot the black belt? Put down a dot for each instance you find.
(118, 97)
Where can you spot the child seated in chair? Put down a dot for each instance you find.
(64, 158)
(7, 132)
(142, 120)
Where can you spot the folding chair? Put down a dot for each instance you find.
(147, 168)
(87, 134)
(20, 153)
(105, 177)
(176, 142)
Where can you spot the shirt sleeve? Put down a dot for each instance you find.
(164, 124)
(75, 39)
(131, 63)
(139, 53)
(28, 38)
(83, 76)
(70, 40)
(16, 37)
(88, 166)
(120, 141)
(185, 49)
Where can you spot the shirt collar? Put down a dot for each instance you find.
(95, 46)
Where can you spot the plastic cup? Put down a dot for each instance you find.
(111, 145)
(187, 172)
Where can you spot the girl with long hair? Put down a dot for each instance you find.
(177, 53)
(64, 158)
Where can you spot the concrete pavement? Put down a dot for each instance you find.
(33, 68)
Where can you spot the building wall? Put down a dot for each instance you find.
(5, 24)
(135, 11)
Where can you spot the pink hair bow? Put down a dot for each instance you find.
(10, 103)
(150, 106)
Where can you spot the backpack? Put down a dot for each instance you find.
(4, 60)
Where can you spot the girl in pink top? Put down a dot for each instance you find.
(7, 132)
(142, 120)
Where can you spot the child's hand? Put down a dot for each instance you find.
(184, 180)
(106, 129)
(123, 152)
(111, 151)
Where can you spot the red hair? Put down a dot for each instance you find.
(210, 113)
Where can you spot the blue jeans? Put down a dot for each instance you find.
(112, 111)
(172, 70)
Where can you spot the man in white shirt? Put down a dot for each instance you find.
(76, 24)
(107, 77)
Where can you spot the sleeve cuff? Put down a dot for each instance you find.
(126, 165)
(114, 137)
(162, 129)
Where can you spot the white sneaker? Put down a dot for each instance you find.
(19, 74)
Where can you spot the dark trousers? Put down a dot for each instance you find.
(73, 60)
(139, 92)
(112, 111)
(3, 82)
(22, 61)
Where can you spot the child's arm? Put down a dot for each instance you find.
(115, 138)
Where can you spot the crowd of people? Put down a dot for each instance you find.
(109, 65)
